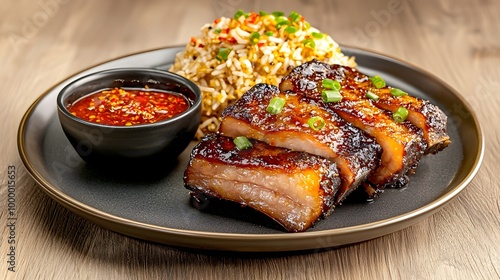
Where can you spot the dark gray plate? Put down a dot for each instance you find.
(156, 207)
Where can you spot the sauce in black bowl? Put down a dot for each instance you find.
(142, 145)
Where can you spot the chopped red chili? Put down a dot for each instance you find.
(125, 107)
(252, 18)
(192, 41)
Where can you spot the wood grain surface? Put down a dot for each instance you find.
(44, 41)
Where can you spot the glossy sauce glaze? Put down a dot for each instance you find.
(354, 152)
(402, 143)
(293, 188)
(127, 107)
(422, 114)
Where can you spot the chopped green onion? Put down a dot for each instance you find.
(331, 84)
(242, 143)
(400, 114)
(307, 25)
(309, 43)
(261, 13)
(223, 54)
(378, 82)
(280, 19)
(282, 23)
(294, 16)
(238, 14)
(317, 35)
(291, 29)
(254, 38)
(316, 123)
(217, 31)
(275, 105)
(372, 96)
(278, 14)
(269, 33)
(397, 92)
(331, 96)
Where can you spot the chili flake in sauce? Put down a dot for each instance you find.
(124, 107)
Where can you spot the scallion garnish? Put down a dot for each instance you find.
(238, 14)
(317, 35)
(269, 33)
(217, 31)
(372, 96)
(400, 114)
(223, 54)
(261, 13)
(278, 14)
(282, 23)
(331, 96)
(309, 43)
(397, 92)
(254, 38)
(331, 84)
(280, 19)
(291, 29)
(242, 143)
(316, 123)
(275, 105)
(307, 25)
(294, 16)
(378, 82)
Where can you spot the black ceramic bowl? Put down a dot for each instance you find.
(142, 145)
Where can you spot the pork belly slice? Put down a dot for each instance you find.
(355, 154)
(402, 143)
(293, 188)
(421, 113)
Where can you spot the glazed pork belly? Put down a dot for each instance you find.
(421, 113)
(293, 188)
(355, 154)
(402, 144)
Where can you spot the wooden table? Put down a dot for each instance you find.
(43, 42)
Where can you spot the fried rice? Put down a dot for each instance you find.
(233, 54)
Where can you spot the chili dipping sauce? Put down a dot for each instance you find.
(126, 107)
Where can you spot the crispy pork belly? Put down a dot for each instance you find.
(293, 188)
(355, 154)
(402, 143)
(421, 113)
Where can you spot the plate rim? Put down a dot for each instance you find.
(253, 242)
